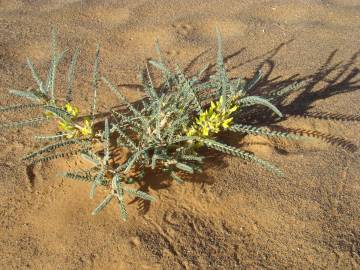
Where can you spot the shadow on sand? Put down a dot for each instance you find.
(330, 79)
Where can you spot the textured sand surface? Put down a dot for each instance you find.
(236, 215)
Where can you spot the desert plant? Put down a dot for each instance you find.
(163, 131)
(74, 133)
(184, 114)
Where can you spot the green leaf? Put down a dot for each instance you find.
(176, 178)
(50, 86)
(92, 157)
(36, 76)
(122, 209)
(121, 97)
(78, 176)
(71, 76)
(192, 158)
(139, 194)
(227, 149)
(59, 112)
(117, 186)
(20, 107)
(158, 65)
(95, 80)
(56, 156)
(256, 100)
(124, 140)
(103, 204)
(51, 147)
(26, 94)
(106, 141)
(27, 122)
(132, 160)
(252, 83)
(99, 179)
(50, 137)
(149, 85)
(263, 132)
(184, 167)
(154, 158)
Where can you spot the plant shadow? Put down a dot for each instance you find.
(330, 79)
(157, 180)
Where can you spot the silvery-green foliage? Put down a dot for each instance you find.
(45, 108)
(153, 130)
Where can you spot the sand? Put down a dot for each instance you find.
(235, 215)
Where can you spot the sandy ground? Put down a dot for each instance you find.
(236, 215)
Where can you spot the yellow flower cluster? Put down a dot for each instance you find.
(71, 128)
(211, 121)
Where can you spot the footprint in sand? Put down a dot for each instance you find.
(183, 29)
(229, 28)
(172, 53)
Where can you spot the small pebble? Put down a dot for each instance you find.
(135, 241)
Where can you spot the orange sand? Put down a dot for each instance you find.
(236, 215)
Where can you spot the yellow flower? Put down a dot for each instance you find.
(211, 121)
(226, 123)
(72, 129)
(48, 114)
(191, 131)
(205, 132)
(69, 129)
(233, 109)
(66, 126)
(73, 110)
(86, 130)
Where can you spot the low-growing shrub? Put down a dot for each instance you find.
(164, 131)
